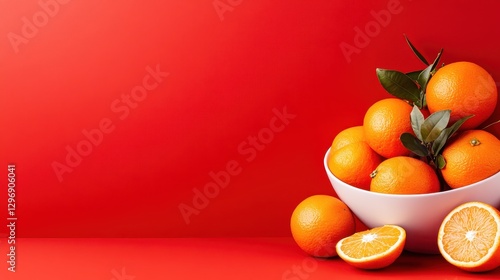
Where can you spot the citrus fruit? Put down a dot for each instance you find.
(353, 164)
(404, 175)
(466, 89)
(319, 222)
(384, 122)
(469, 237)
(373, 249)
(473, 156)
(348, 136)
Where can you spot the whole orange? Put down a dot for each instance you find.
(404, 175)
(472, 157)
(348, 136)
(384, 122)
(353, 164)
(466, 89)
(319, 222)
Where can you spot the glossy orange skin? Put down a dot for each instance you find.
(353, 164)
(466, 89)
(404, 175)
(348, 136)
(384, 122)
(319, 222)
(473, 156)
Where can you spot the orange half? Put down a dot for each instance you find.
(469, 237)
(373, 249)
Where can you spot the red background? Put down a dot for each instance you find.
(228, 75)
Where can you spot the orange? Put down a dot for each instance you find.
(348, 136)
(404, 175)
(319, 222)
(472, 157)
(466, 89)
(353, 164)
(469, 237)
(384, 122)
(373, 249)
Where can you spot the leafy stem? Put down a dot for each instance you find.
(415, 51)
(430, 135)
(409, 86)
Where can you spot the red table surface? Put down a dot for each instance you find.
(204, 258)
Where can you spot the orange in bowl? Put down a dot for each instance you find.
(404, 175)
(466, 89)
(473, 156)
(354, 163)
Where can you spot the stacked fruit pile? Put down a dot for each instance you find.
(429, 137)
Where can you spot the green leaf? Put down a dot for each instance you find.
(417, 119)
(413, 144)
(436, 61)
(439, 143)
(434, 125)
(399, 85)
(440, 162)
(423, 100)
(446, 134)
(413, 74)
(454, 128)
(417, 53)
(424, 77)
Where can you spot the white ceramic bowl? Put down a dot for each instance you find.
(420, 215)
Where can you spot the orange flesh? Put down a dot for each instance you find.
(470, 234)
(369, 243)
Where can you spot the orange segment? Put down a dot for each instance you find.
(469, 237)
(373, 249)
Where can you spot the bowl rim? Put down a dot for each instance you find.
(435, 194)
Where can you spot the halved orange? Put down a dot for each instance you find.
(373, 249)
(469, 237)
